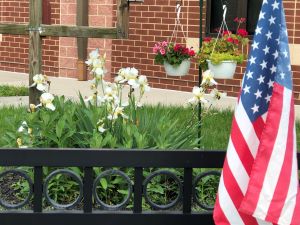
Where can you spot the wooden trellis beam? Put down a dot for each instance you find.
(60, 31)
(16, 29)
(78, 31)
(82, 43)
(37, 30)
(122, 18)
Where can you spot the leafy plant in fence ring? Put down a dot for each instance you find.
(62, 192)
(20, 181)
(162, 189)
(114, 191)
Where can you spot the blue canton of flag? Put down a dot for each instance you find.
(268, 62)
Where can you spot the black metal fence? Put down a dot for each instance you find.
(108, 215)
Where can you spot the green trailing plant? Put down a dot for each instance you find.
(228, 46)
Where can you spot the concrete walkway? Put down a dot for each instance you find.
(71, 87)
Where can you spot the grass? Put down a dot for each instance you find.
(8, 90)
(215, 128)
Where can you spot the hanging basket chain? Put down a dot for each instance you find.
(177, 26)
(222, 28)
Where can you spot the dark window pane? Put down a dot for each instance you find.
(217, 14)
(248, 9)
(253, 11)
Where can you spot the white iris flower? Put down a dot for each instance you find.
(46, 100)
(208, 78)
(40, 82)
(198, 93)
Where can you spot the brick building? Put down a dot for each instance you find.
(150, 21)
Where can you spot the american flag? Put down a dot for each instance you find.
(259, 182)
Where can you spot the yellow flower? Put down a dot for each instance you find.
(19, 142)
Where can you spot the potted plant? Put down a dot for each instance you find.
(174, 57)
(222, 54)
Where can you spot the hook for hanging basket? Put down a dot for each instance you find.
(225, 12)
(178, 11)
(178, 25)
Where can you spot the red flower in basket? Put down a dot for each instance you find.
(172, 53)
(242, 32)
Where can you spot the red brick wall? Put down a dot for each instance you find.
(150, 22)
(100, 15)
(14, 48)
(153, 21)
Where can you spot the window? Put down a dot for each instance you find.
(248, 9)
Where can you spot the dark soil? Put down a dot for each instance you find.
(7, 192)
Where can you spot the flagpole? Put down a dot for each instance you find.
(200, 73)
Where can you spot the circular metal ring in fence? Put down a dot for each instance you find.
(20, 174)
(70, 174)
(128, 192)
(207, 202)
(169, 174)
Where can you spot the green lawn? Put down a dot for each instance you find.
(8, 90)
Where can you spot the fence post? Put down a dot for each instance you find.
(138, 189)
(187, 190)
(38, 189)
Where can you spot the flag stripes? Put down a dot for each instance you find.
(283, 184)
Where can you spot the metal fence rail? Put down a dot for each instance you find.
(87, 159)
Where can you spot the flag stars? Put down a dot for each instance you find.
(275, 5)
(263, 65)
(268, 98)
(252, 60)
(282, 75)
(258, 94)
(262, 15)
(246, 89)
(255, 45)
(266, 50)
(285, 53)
(255, 108)
(272, 20)
(271, 83)
(261, 79)
(265, 2)
(258, 30)
(273, 69)
(289, 67)
(275, 54)
(278, 40)
(269, 35)
(249, 75)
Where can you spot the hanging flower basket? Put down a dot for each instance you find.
(223, 70)
(178, 70)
